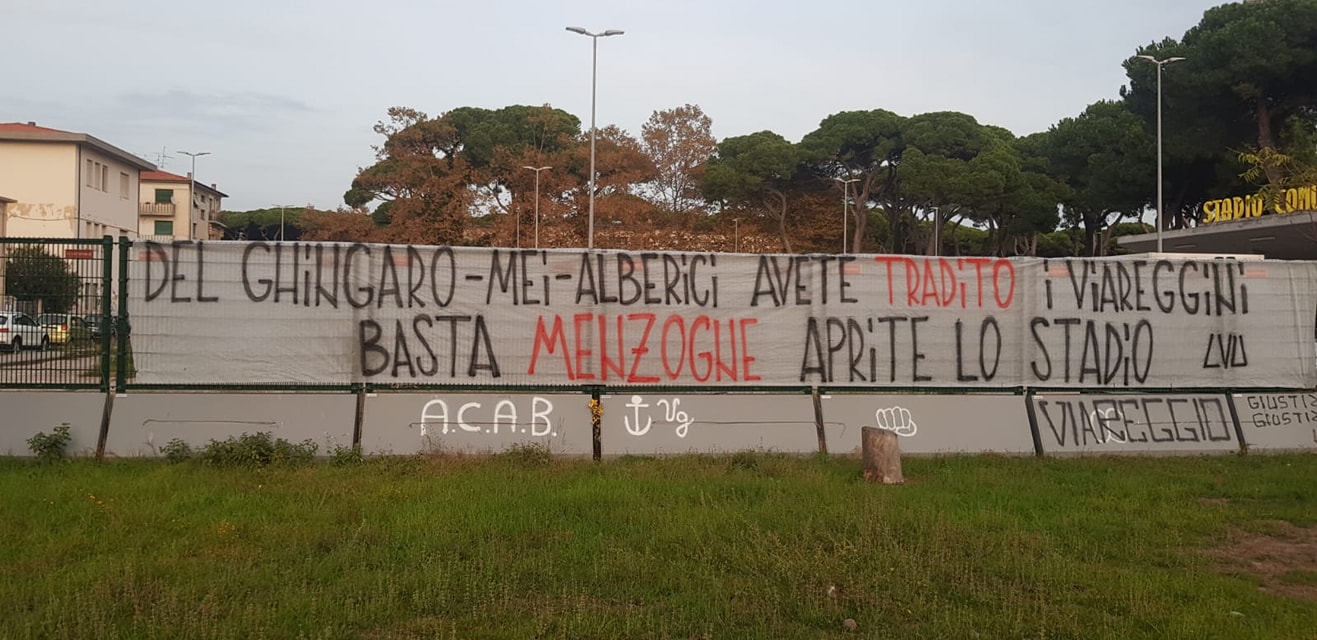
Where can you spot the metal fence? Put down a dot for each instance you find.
(56, 320)
(64, 324)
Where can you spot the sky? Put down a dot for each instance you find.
(283, 93)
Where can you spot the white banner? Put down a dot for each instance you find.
(328, 313)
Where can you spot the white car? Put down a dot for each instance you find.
(20, 331)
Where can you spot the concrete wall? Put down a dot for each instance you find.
(143, 422)
(640, 423)
(657, 423)
(932, 423)
(1142, 423)
(42, 178)
(23, 414)
(1280, 421)
(408, 423)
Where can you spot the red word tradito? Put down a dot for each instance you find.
(947, 282)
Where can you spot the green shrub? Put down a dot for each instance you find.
(527, 454)
(256, 450)
(343, 455)
(50, 447)
(745, 460)
(176, 451)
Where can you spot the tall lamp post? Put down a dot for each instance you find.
(845, 207)
(192, 188)
(1160, 64)
(537, 171)
(281, 218)
(594, 74)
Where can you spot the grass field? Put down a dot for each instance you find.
(738, 546)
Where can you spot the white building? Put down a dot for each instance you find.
(67, 185)
(164, 213)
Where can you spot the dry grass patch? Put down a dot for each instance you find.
(1283, 558)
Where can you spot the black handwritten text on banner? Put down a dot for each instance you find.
(327, 313)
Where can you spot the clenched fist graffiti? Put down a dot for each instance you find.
(897, 420)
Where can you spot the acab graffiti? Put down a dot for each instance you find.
(472, 417)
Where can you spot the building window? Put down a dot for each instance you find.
(98, 176)
(164, 227)
(164, 196)
(123, 185)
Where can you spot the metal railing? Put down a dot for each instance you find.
(54, 313)
(156, 209)
(76, 290)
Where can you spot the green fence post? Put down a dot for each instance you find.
(121, 320)
(107, 282)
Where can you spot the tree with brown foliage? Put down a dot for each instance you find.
(342, 225)
(433, 174)
(679, 142)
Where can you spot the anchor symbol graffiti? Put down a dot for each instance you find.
(637, 403)
(672, 414)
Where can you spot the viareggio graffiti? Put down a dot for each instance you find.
(335, 314)
(1134, 422)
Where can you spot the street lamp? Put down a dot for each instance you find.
(594, 74)
(537, 171)
(281, 218)
(192, 188)
(845, 207)
(1160, 64)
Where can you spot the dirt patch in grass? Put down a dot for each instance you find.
(1283, 558)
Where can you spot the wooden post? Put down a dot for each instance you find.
(818, 421)
(106, 410)
(359, 418)
(596, 423)
(881, 451)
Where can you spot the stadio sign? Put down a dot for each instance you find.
(1291, 200)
